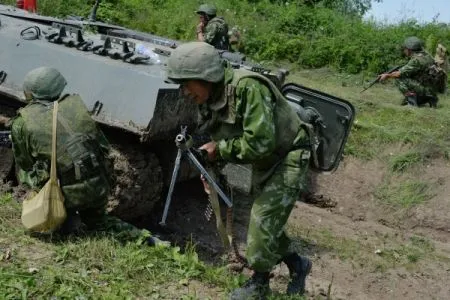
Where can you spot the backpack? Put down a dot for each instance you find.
(437, 78)
(83, 162)
(438, 71)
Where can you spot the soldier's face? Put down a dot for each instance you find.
(203, 19)
(197, 91)
(407, 52)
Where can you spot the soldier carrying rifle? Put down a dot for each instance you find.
(420, 79)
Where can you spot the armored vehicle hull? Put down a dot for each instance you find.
(138, 111)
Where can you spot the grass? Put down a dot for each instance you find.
(403, 194)
(403, 161)
(99, 267)
(380, 121)
(378, 253)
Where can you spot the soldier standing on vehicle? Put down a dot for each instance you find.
(413, 79)
(212, 29)
(251, 123)
(83, 165)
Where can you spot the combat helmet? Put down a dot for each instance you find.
(207, 9)
(44, 83)
(413, 43)
(195, 60)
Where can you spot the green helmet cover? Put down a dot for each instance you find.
(413, 43)
(208, 9)
(44, 83)
(195, 60)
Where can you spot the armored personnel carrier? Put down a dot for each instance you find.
(119, 74)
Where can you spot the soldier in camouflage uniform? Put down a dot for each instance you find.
(212, 29)
(251, 123)
(84, 169)
(412, 79)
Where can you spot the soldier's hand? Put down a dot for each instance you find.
(3, 120)
(200, 27)
(210, 148)
(383, 77)
(206, 187)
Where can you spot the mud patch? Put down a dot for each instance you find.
(138, 183)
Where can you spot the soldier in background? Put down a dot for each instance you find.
(83, 164)
(250, 122)
(413, 79)
(212, 29)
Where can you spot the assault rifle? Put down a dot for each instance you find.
(396, 68)
(5, 141)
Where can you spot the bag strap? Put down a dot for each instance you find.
(53, 175)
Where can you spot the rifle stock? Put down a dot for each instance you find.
(396, 68)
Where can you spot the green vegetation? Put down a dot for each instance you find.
(307, 33)
(404, 194)
(378, 252)
(98, 267)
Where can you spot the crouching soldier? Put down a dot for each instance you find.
(83, 164)
(413, 79)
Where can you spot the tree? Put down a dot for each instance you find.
(353, 7)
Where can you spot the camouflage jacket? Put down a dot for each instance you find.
(216, 33)
(251, 127)
(417, 67)
(31, 135)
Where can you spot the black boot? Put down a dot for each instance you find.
(412, 100)
(257, 288)
(299, 267)
(432, 100)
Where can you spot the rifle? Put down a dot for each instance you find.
(5, 141)
(396, 68)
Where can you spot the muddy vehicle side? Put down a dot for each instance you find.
(127, 96)
(138, 111)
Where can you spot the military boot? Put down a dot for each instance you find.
(256, 288)
(431, 100)
(411, 100)
(299, 267)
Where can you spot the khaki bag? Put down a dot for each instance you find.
(45, 212)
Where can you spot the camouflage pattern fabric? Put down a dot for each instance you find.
(99, 221)
(250, 128)
(441, 58)
(413, 75)
(216, 33)
(267, 242)
(31, 134)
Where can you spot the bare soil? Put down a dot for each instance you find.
(354, 264)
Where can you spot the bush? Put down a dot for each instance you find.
(308, 35)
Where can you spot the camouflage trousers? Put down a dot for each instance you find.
(98, 220)
(410, 85)
(267, 241)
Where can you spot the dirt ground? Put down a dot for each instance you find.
(356, 259)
